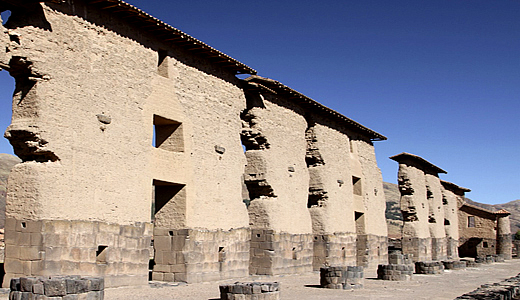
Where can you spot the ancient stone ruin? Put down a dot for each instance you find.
(137, 141)
(439, 226)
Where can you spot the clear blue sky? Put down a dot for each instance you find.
(441, 79)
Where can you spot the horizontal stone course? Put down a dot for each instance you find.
(250, 290)
(57, 287)
(433, 267)
(339, 277)
(454, 265)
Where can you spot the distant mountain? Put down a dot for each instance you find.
(7, 162)
(394, 218)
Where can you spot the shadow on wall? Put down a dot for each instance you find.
(469, 248)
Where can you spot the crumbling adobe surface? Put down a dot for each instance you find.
(154, 138)
(424, 234)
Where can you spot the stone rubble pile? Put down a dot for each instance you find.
(504, 290)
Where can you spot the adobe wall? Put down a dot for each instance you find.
(436, 216)
(277, 179)
(83, 114)
(415, 210)
(128, 142)
(375, 204)
(335, 156)
(451, 222)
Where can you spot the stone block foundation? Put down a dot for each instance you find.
(274, 253)
(433, 267)
(454, 265)
(400, 267)
(377, 251)
(250, 291)
(420, 248)
(119, 253)
(439, 247)
(197, 255)
(57, 288)
(338, 249)
(346, 278)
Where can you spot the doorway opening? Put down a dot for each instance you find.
(361, 240)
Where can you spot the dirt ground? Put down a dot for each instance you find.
(449, 285)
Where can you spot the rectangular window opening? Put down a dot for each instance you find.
(356, 185)
(101, 254)
(168, 204)
(359, 218)
(167, 134)
(471, 221)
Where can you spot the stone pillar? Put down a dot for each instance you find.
(504, 247)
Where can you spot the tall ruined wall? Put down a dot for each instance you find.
(331, 165)
(90, 88)
(76, 166)
(374, 203)
(415, 210)
(451, 222)
(436, 216)
(280, 166)
(277, 181)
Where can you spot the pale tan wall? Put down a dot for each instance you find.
(451, 214)
(105, 171)
(210, 110)
(436, 210)
(101, 174)
(373, 194)
(337, 214)
(287, 210)
(417, 201)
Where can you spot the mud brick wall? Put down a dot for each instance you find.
(250, 291)
(120, 253)
(337, 249)
(57, 288)
(275, 253)
(194, 255)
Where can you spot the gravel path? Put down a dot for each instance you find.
(449, 285)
